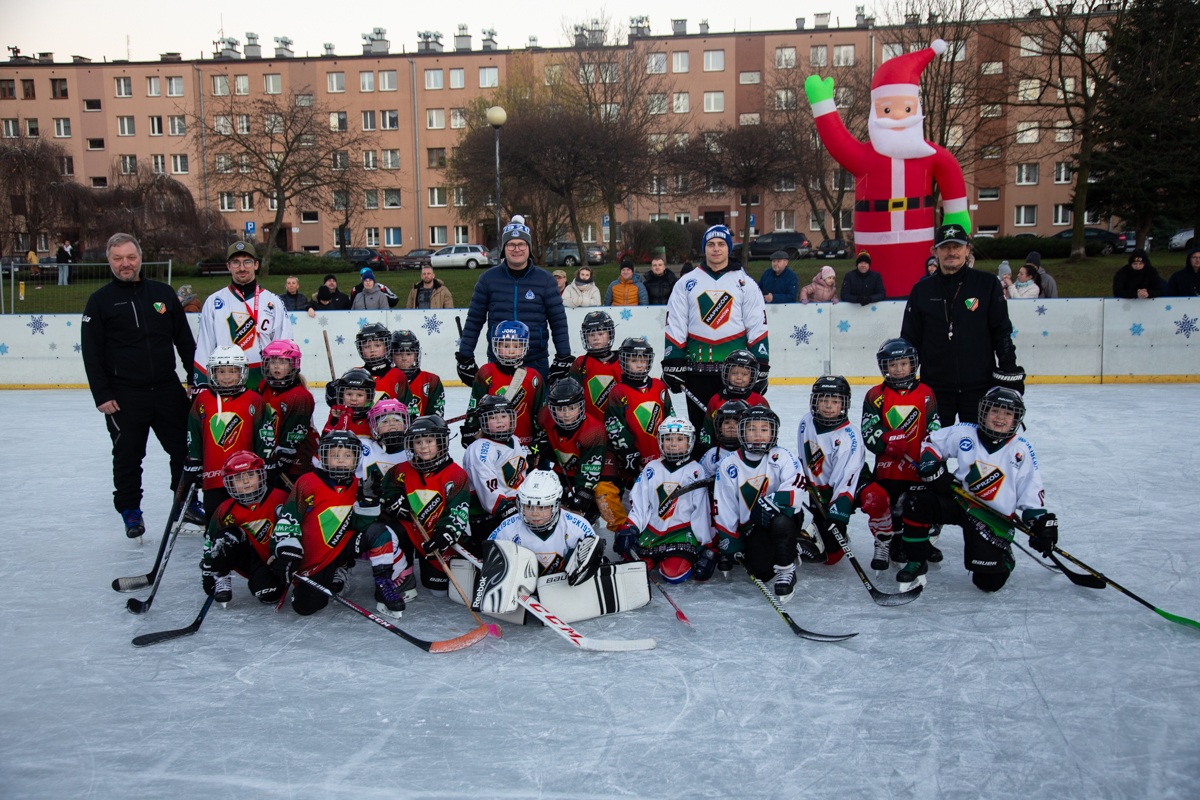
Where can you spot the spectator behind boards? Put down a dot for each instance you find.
(1137, 279)
(779, 284)
(429, 292)
(822, 289)
(864, 285)
(388, 294)
(659, 282)
(337, 301)
(1047, 284)
(628, 289)
(583, 291)
(1186, 282)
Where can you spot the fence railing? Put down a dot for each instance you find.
(59, 288)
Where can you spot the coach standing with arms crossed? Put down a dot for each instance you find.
(132, 328)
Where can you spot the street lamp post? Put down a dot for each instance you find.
(496, 117)
(658, 148)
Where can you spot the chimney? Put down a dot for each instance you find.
(821, 21)
(375, 43)
(1065, 8)
(489, 39)
(639, 26)
(704, 27)
(164, 57)
(283, 47)
(596, 34)
(799, 23)
(912, 19)
(329, 49)
(581, 37)
(533, 41)
(933, 18)
(1035, 12)
(228, 49)
(252, 49)
(431, 42)
(46, 58)
(86, 60)
(462, 39)
(679, 27)
(860, 16)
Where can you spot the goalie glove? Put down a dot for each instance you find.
(584, 560)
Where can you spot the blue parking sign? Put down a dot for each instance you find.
(249, 228)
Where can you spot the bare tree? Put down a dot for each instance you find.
(159, 210)
(286, 149)
(38, 198)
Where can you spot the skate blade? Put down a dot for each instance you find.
(783, 600)
(920, 581)
(386, 612)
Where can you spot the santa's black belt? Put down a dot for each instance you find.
(895, 204)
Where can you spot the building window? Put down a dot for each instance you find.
(489, 77)
(391, 159)
(124, 87)
(176, 125)
(433, 79)
(785, 221)
(1027, 132)
(1091, 218)
(341, 236)
(66, 165)
(1025, 215)
(843, 97)
(31, 128)
(458, 78)
(462, 234)
(843, 55)
(335, 82)
(220, 85)
(435, 118)
(679, 103)
(787, 184)
(1027, 174)
(273, 123)
(816, 220)
(890, 51)
(958, 94)
(989, 230)
(392, 237)
(1062, 172)
(341, 160)
(366, 81)
(818, 55)
(610, 112)
(273, 84)
(656, 103)
(241, 84)
(753, 118)
(1065, 88)
(389, 120)
(1062, 214)
(158, 164)
(371, 199)
(372, 237)
(785, 99)
(989, 194)
(656, 64)
(99, 183)
(436, 157)
(458, 118)
(223, 125)
(713, 186)
(243, 124)
(12, 128)
(437, 234)
(391, 198)
(785, 58)
(1029, 90)
(310, 216)
(679, 62)
(91, 105)
(174, 87)
(714, 60)
(553, 74)
(437, 196)
(1063, 131)
(387, 80)
(8, 89)
(714, 102)
(368, 120)
(223, 163)
(990, 110)
(179, 164)
(370, 159)
(58, 88)
(248, 201)
(990, 151)
(991, 68)
(749, 78)
(1031, 46)
(95, 144)
(125, 126)
(955, 136)
(62, 128)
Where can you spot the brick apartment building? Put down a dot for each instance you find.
(121, 115)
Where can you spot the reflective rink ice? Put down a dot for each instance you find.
(1044, 690)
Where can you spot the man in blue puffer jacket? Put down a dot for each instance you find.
(515, 289)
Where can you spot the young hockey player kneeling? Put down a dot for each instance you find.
(758, 494)
(239, 535)
(999, 473)
(388, 422)
(673, 535)
(495, 466)
(321, 526)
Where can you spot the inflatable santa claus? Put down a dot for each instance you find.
(894, 173)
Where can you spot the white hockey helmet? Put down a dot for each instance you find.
(227, 356)
(669, 431)
(538, 500)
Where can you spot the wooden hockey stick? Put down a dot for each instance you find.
(492, 629)
(329, 355)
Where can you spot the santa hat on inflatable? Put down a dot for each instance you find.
(901, 76)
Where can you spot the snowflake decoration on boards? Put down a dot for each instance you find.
(626, 314)
(3, 349)
(37, 325)
(1136, 329)
(1041, 311)
(1045, 333)
(844, 326)
(800, 335)
(322, 321)
(53, 347)
(1186, 326)
(431, 325)
(362, 321)
(1166, 308)
(340, 339)
(77, 347)
(292, 317)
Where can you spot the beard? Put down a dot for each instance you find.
(899, 138)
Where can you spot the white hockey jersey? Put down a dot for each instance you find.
(228, 320)
(739, 485)
(650, 511)
(376, 460)
(495, 471)
(832, 460)
(711, 315)
(553, 548)
(1007, 481)
(712, 459)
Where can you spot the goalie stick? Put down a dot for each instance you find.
(880, 597)
(135, 606)
(138, 582)
(563, 629)
(796, 629)
(147, 639)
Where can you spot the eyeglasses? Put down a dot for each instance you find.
(517, 243)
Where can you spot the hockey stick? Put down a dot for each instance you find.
(147, 639)
(138, 582)
(443, 646)
(1110, 582)
(690, 395)
(703, 483)
(329, 355)
(679, 615)
(494, 630)
(796, 629)
(880, 597)
(458, 322)
(563, 629)
(135, 606)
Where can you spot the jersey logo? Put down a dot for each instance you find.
(160, 308)
(517, 400)
(716, 307)
(334, 522)
(513, 471)
(753, 489)
(814, 457)
(241, 329)
(259, 529)
(902, 418)
(218, 304)
(666, 507)
(691, 284)
(224, 428)
(568, 461)
(984, 480)
(648, 415)
(426, 505)
(546, 559)
(529, 294)
(971, 303)
(598, 388)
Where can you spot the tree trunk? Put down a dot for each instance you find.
(612, 230)
(264, 268)
(575, 229)
(1079, 203)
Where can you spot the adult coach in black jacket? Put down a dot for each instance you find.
(958, 321)
(132, 328)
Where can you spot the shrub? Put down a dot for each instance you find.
(676, 239)
(1009, 247)
(641, 238)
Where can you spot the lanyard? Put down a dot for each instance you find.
(252, 312)
(946, 308)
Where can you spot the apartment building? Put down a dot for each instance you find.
(119, 116)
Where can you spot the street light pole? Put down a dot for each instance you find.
(496, 117)
(658, 177)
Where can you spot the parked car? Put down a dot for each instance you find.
(1131, 241)
(1184, 239)
(460, 255)
(373, 257)
(795, 244)
(562, 254)
(834, 248)
(415, 259)
(1110, 242)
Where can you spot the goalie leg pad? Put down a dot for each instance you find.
(467, 576)
(615, 587)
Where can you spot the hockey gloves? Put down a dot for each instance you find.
(193, 475)
(763, 511)
(398, 507)
(585, 560)
(761, 384)
(580, 501)
(467, 368)
(369, 491)
(632, 462)
(1010, 379)
(702, 570)
(331, 393)
(625, 545)
(441, 539)
(839, 510)
(288, 555)
(559, 369)
(894, 444)
(674, 373)
(469, 431)
(933, 474)
(1043, 534)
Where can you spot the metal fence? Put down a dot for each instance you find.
(52, 288)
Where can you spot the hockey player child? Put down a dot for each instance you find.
(324, 525)
(523, 386)
(599, 369)
(757, 496)
(495, 466)
(897, 415)
(388, 423)
(374, 344)
(673, 535)
(999, 472)
(833, 458)
(239, 535)
(739, 373)
(292, 404)
(576, 446)
(432, 490)
(425, 388)
(225, 417)
(725, 435)
(354, 392)
(549, 532)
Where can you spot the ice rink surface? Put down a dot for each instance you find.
(1045, 690)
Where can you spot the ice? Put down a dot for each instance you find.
(1045, 690)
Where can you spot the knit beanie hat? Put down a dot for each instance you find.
(516, 229)
(719, 232)
(1004, 269)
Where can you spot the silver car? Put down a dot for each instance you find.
(460, 255)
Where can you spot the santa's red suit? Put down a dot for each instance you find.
(893, 195)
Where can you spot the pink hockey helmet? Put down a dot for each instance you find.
(285, 349)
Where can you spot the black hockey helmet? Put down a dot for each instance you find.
(998, 431)
(374, 332)
(493, 407)
(750, 430)
(739, 358)
(326, 450)
(357, 378)
(729, 411)
(405, 341)
(830, 386)
(898, 351)
(598, 322)
(631, 348)
(423, 428)
(566, 403)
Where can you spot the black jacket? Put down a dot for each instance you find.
(130, 334)
(1185, 283)
(856, 285)
(658, 288)
(294, 302)
(973, 302)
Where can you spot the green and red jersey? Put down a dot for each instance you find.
(428, 395)
(437, 499)
(527, 397)
(598, 378)
(319, 513)
(886, 409)
(632, 416)
(220, 426)
(578, 455)
(293, 410)
(256, 521)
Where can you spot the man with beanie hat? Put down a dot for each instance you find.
(337, 300)
(390, 296)
(714, 311)
(1186, 282)
(1049, 286)
(517, 290)
(779, 284)
(863, 286)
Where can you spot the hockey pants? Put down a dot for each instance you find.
(987, 556)
(245, 560)
(770, 546)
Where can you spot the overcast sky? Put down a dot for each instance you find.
(98, 29)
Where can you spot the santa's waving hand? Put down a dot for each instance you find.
(895, 171)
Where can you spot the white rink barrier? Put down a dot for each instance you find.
(1076, 340)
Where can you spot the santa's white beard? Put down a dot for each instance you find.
(899, 138)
